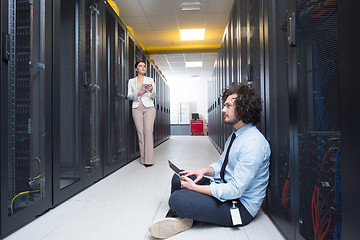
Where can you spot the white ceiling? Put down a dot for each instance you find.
(157, 23)
(174, 69)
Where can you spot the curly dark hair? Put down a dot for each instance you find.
(248, 104)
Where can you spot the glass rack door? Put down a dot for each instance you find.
(121, 111)
(92, 97)
(66, 103)
(115, 96)
(91, 135)
(24, 133)
(26, 146)
(319, 133)
(69, 95)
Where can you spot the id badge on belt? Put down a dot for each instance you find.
(235, 214)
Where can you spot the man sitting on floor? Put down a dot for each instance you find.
(240, 177)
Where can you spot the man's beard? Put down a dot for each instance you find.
(231, 122)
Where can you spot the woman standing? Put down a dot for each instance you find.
(142, 91)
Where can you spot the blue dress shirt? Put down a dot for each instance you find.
(247, 172)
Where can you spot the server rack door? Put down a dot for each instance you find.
(238, 37)
(167, 111)
(213, 128)
(109, 97)
(229, 53)
(161, 103)
(234, 41)
(253, 37)
(163, 109)
(133, 145)
(158, 103)
(91, 100)
(243, 56)
(25, 131)
(219, 88)
(66, 103)
(216, 105)
(148, 69)
(280, 194)
(123, 126)
(228, 71)
(317, 139)
(115, 152)
(121, 81)
(224, 83)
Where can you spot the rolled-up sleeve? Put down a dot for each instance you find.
(216, 166)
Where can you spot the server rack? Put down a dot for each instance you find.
(65, 117)
(281, 192)
(77, 90)
(158, 103)
(132, 135)
(289, 51)
(161, 107)
(133, 56)
(93, 88)
(318, 101)
(25, 116)
(122, 94)
(114, 95)
(67, 154)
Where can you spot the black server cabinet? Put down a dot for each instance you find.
(159, 110)
(349, 90)
(156, 103)
(93, 88)
(166, 111)
(113, 94)
(317, 138)
(135, 53)
(66, 99)
(66, 109)
(290, 51)
(149, 67)
(25, 112)
(305, 190)
(157, 107)
(151, 73)
(161, 113)
(280, 203)
(76, 102)
(121, 143)
(131, 132)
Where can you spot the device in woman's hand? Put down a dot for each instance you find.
(143, 87)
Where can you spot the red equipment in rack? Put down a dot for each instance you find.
(197, 127)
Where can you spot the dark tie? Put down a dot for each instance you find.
(222, 171)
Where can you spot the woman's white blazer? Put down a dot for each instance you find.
(147, 98)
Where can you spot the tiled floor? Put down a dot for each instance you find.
(122, 205)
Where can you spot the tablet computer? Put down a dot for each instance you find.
(143, 87)
(177, 170)
(174, 168)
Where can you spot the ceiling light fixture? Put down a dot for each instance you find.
(192, 34)
(195, 78)
(190, 6)
(193, 64)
